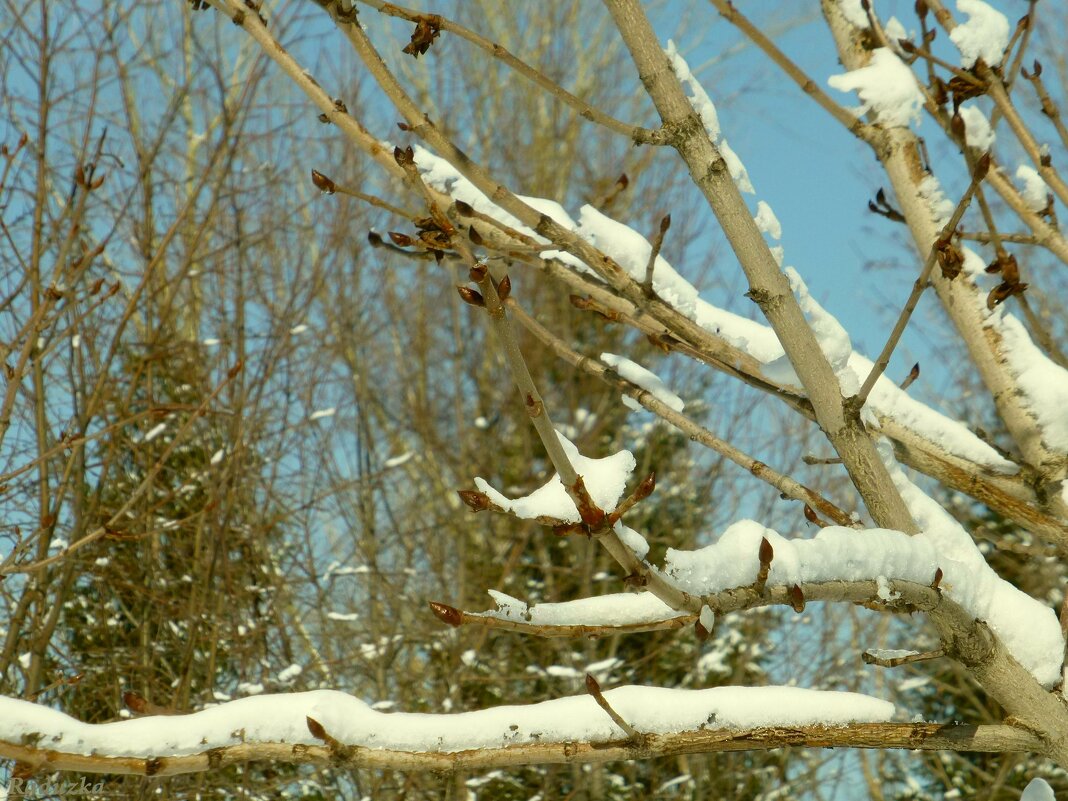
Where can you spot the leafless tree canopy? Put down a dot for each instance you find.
(278, 281)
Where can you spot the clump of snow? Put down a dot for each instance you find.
(891, 653)
(706, 110)
(632, 539)
(985, 35)
(1038, 790)
(941, 208)
(644, 379)
(631, 251)
(605, 480)
(441, 175)
(767, 222)
(1035, 193)
(977, 131)
(973, 262)
(397, 461)
(886, 86)
(319, 414)
(854, 13)
(616, 609)
(284, 719)
(832, 337)
(895, 32)
(699, 98)
(1043, 383)
(707, 618)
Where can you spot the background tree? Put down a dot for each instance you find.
(252, 484)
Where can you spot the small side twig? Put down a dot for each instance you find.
(920, 285)
(657, 243)
(892, 659)
(594, 689)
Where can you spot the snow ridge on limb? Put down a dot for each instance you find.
(351, 722)
(631, 250)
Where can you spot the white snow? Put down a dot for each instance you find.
(605, 480)
(767, 222)
(155, 431)
(941, 208)
(706, 110)
(632, 539)
(707, 618)
(283, 718)
(616, 609)
(973, 262)
(397, 461)
(632, 250)
(1028, 628)
(886, 86)
(890, 401)
(832, 338)
(1038, 790)
(290, 673)
(298, 329)
(854, 13)
(895, 32)
(985, 35)
(318, 414)
(645, 379)
(1043, 383)
(1035, 193)
(218, 456)
(977, 130)
(891, 653)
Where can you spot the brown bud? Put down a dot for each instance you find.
(400, 240)
(580, 302)
(937, 578)
(322, 183)
(478, 272)
(914, 373)
(404, 126)
(464, 209)
(233, 371)
(476, 501)
(921, 9)
(797, 599)
(665, 223)
(810, 515)
(504, 288)
(982, 167)
(906, 45)
(535, 408)
(766, 552)
(472, 296)
(645, 489)
(592, 685)
(316, 728)
(700, 631)
(449, 615)
(475, 236)
(405, 157)
(1037, 65)
(134, 702)
(375, 239)
(956, 124)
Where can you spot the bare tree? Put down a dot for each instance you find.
(547, 288)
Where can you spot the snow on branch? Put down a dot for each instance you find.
(288, 728)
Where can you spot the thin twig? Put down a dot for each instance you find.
(635, 133)
(919, 286)
(594, 689)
